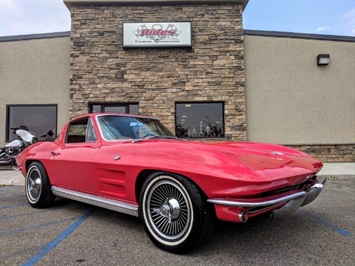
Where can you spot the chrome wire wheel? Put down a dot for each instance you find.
(38, 187)
(33, 184)
(167, 210)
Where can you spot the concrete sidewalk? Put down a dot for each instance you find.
(11, 178)
(340, 170)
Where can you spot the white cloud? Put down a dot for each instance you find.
(58, 19)
(343, 25)
(348, 22)
(350, 16)
(9, 6)
(30, 17)
(322, 29)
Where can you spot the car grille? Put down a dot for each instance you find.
(286, 189)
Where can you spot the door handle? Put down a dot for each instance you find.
(53, 153)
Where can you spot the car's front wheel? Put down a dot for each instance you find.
(176, 215)
(38, 188)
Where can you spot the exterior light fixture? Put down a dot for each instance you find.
(323, 59)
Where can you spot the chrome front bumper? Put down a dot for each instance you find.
(292, 200)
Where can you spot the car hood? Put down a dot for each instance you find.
(269, 160)
(256, 161)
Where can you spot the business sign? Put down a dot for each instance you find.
(158, 34)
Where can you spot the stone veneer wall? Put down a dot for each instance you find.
(213, 70)
(329, 153)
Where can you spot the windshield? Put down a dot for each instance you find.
(123, 127)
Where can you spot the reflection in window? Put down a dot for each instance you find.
(39, 119)
(121, 127)
(121, 108)
(199, 120)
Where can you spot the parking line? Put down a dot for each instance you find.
(39, 255)
(33, 212)
(14, 196)
(326, 223)
(9, 194)
(10, 232)
(10, 255)
(13, 206)
(27, 214)
(9, 187)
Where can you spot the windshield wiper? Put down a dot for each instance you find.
(162, 137)
(154, 137)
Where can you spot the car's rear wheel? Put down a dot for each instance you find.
(176, 216)
(38, 187)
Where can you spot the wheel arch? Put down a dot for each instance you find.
(143, 175)
(29, 162)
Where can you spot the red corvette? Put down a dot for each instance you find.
(135, 165)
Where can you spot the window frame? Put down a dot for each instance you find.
(114, 104)
(9, 106)
(88, 124)
(202, 102)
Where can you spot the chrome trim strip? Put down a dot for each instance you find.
(246, 204)
(114, 205)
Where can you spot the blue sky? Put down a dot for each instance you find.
(333, 17)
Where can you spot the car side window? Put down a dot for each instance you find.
(80, 131)
(90, 132)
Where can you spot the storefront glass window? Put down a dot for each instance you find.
(199, 120)
(122, 108)
(39, 119)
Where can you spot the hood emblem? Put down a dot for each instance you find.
(276, 153)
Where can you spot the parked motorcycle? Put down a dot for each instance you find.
(15, 147)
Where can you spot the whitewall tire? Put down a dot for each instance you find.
(175, 214)
(38, 188)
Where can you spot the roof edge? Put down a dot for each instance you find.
(36, 36)
(282, 34)
(279, 34)
(68, 3)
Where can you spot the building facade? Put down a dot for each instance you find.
(211, 71)
(229, 83)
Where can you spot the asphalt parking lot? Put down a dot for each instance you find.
(72, 233)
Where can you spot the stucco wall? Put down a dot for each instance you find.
(291, 100)
(34, 72)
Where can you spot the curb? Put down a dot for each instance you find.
(338, 177)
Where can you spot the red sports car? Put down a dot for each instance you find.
(135, 165)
